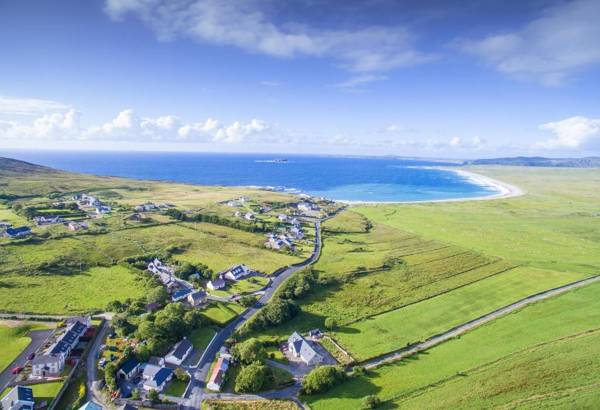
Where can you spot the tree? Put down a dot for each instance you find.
(122, 325)
(153, 396)
(247, 300)
(253, 378)
(135, 394)
(370, 402)
(110, 376)
(185, 271)
(322, 378)
(157, 295)
(193, 319)
(331, 323)
(249, 351)
(115, 306)
(181, 375)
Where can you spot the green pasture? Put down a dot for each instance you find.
(221, 312)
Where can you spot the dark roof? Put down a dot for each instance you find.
(79, 328)
(24, 393)
(198, 295)
(129, 365)
(127, 406)
(181, 349)
(60, 347)
(70, 337)
(162, 375)
(180, 293)
(17, 231)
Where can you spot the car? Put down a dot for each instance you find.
(31, 356)
(17, 370)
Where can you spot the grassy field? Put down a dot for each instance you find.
(175, 388)
(555, 226)
(220, 312)
(200, 338)
(388, 331)
(88, 291)
(545, 353)
(14, 340)
(249, 285)
(249, 405)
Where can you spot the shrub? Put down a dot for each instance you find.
(249, 351)
(322, 379)
(253, 378)
(153, 396)
(370, 402)
(331, 323)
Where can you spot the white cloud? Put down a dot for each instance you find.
(549, 49)
(29, 106)
(129, 127)
(268, 83)
(571, 133)
(356, 82)
(246, 25)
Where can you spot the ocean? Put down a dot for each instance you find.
(338, 178)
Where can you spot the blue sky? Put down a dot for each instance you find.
(413, 78)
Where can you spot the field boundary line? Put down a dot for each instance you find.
(439, 338)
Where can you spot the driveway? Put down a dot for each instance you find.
(38, 337)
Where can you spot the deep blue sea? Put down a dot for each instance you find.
(340, 178)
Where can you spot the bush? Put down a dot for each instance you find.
(181, 375)
(322, 379)
(247, 301)
(370, 402)
(275, 313)
(253, 378)
(153, 396)
(331, 323)
(249, 351)
(110, 376)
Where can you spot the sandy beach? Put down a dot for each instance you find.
(504, 190)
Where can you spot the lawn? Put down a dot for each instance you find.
(556, 225)
(545, 353)
(88, 291)
(7, 215)
(389, 331)
(176, 388)
(42, 392)
(200, 338)
(14, 340)
(240, 287)
(221, 313)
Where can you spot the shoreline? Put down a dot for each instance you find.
(505, 190)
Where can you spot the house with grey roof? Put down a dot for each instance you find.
(302, 349)
(236, 273)
(179, 352)
(156, 377)
(197, 298)
(216, 284)
(19, 398)
(45, 365)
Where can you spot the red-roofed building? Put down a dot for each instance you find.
(218, 374)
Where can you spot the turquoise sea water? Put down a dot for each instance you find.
(340, 178)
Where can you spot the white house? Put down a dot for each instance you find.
(129, 369)
(197, 298)
(156, 377)
(103, 209)
(179, 352)
(302, 349)
(282, 217)
(217, 376)
(249, 216)
(19, 398)
(45, 365)
(296, 232)
(236, 273)
(216, 284)
(77, 226)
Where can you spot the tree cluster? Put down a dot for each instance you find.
(322, 378)
(260, 226)
(275, 313)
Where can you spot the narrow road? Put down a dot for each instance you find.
(94, 392)
(38, 337)
(194, 393)
(465, 327)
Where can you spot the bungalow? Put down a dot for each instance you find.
(77, 226)
(236, 273)
(296, 232)
(103, 209)
(146, 207)
(279, 242)
(47, 365)
(17, 232)
(179, 352)
(282, 217)
(42, 220)
(19, 398)
(295, 222)
(216, 284)
(88, 200)
(129, 369)
(197, 298)
(217, 376)
(180, 295)
(249, 216)
(303, 350)
(156, 377)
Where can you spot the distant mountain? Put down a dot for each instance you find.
(9, 165)
(587, 162)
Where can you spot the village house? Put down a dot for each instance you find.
(156, 377)
(76, 226)
(197, 298)
(237, 214)
(278, 242)
(164, 272)
(103, 209)
(295, 222)
(90, 405)
(249, 216)
(87, 200)
(47, 365)
(217, 376)
(216, 284)
(19, 398)
(300, 348)
(296, 232)
(282, 217)
(42, 220)
(146, 207)
(236, 273)
(179, 352)
(129, 369)
(19, 232)
(180, 294)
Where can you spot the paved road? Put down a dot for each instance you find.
(94, 392)
(194, 392)
(38, 337)
(465, 327)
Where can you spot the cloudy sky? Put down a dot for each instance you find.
(405, 77)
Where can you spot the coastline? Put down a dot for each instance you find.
(504, 190)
